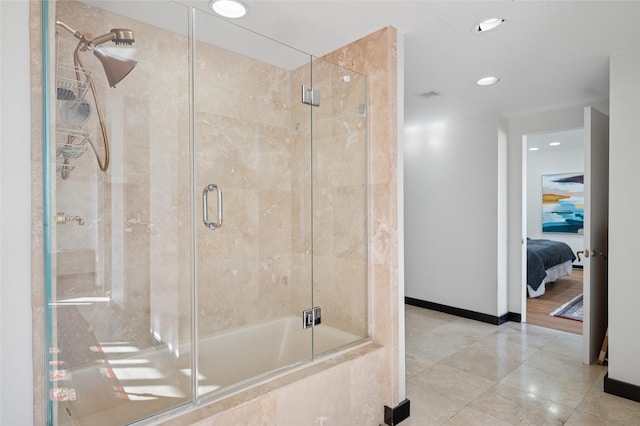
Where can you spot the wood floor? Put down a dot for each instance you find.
(556, 294)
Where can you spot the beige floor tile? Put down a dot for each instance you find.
(583, 419)
(507, 348)
(569, 345)
(429, 407)
(567, 366)
(524, 335)
(519, 407)
(415, 364)
(417, 323)
(431, 348)
(484, 362)
(472, 417)
(473, 330)
(452, 383)
(556, 387)
(452, 362)
(611, 408)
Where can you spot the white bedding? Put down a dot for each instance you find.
(553, 274)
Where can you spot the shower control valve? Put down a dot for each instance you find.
(62, 218)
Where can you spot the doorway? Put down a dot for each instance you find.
(550, 158)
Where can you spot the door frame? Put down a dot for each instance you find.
(524, 207)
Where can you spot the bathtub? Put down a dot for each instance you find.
(152, 379)
(238, 355)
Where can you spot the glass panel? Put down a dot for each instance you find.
(120, 297)
(252, 138)
(212, 204)
(340, 254)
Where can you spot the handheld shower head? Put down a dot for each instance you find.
(115, 67)
(120, 36)
(117, 35)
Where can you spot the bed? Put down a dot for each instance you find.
(547, 261)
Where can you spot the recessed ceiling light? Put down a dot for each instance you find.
(533, 148)
(554, 143)
(488, 25)
(229, 8)
(487, 81)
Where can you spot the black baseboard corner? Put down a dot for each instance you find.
(464, 313)
(621, 389)
(510, 316)
(393, 416)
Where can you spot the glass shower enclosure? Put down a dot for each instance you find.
(207, 211)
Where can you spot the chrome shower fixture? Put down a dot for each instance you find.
(115, 67)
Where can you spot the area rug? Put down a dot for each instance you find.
(571, 310)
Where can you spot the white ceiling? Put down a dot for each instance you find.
(569, 139)
(549, 54)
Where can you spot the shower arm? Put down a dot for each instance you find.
(90, 43)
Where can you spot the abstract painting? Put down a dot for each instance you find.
(563, 203)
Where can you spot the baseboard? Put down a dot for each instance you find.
(511, 316)
(465, 313)
(579, 267)
(393, 416)
(621, 389)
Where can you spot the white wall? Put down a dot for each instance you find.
(451, 213)
(559, 160)
(503, 230)
(624, 208)
(519, 126)
(16, 378)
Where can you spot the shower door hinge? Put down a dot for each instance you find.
(310, 95)
(311, 317)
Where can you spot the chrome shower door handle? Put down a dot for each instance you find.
(205, 206)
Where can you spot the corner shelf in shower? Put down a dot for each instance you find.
(70, 143)
(72, 83)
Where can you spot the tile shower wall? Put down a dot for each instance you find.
(244, 145)
(137, 214)
(339, 169)
(255, 144)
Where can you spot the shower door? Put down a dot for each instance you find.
(252, 181)
(281, 172)
(119, 295)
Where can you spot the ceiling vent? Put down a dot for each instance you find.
(430, 94)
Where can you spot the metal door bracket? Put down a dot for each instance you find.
(311, 317)
(310, 95)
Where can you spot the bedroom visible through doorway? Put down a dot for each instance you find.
(554, 179)
(565, 289)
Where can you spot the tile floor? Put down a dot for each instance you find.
(465, 372)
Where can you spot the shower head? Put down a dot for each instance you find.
(115, 67)
(117, 35)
